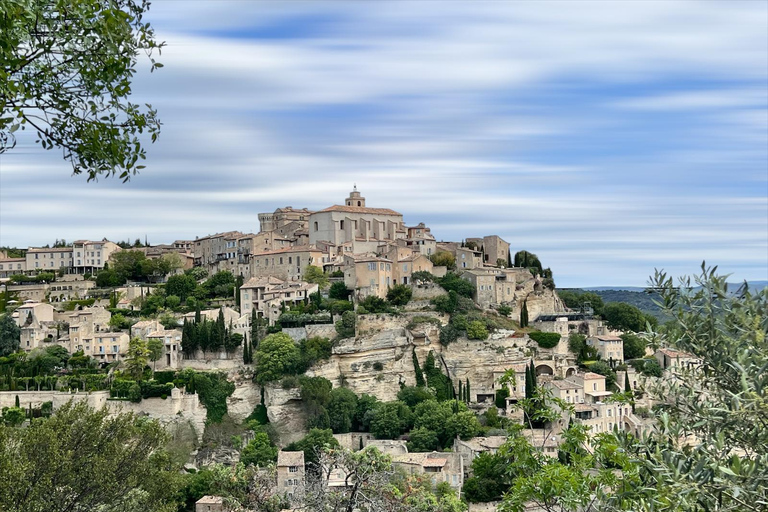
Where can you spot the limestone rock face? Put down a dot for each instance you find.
(220, 455)
(285, 412)
(244, 400)
(478, 360)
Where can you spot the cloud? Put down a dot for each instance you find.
(605, 136)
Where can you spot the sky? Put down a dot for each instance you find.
(609, 138)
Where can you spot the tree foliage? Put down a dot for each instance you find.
(277, 355)
(10, 335)
(81, 459)
(259, 451)
(315, 275)
(399, 294)
(66, 75)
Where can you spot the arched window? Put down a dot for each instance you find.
(316, 227)
(359, 203)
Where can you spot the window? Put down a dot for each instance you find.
(405, 267)
(293, 469)
(316, 228)
(341, 224)
(36, 263)
(281, 260)
(36, 255)
(594, 386)
(101, 349)
(381, 266)
(371, 266)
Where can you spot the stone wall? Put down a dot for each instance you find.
(427, 291)
(212, 364)
(373, 323)
(322, 330)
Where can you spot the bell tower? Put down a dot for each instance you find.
(355, 199)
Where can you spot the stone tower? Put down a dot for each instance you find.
(355, 199)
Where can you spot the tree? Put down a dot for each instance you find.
(122, 466)
(259, 451)
(315, 275)
(476, 330)
(463, 424)
(634, 346)
(399, 294)
(313, 444)
(247, 351)
(10, 335)
(604, 369)
(528, 260)
(420, 382)
(13, 416)
(137, 358)
(624, 317)
(345, 327)
(448, 334)
(316, 393)
(189, 341)
(155, 348)
(443, 259)
(277, 356)
(434, 416)
(524, 314)
(67, 70)
(414, 395)
(339, 291)
(181, 285)
(390, 419)
(423, 440)
(341, 410)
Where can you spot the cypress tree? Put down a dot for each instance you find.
(533, 376)
(627, 386)
(197, 314)
(461, 392)
(417, 370)
(524, 315)
(467, 391)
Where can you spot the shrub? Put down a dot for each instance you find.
(374, 304)
(501, 398)
(399, 295)
(134, 392)
(504, 310)
(545, 339)
(339, 290)
(418, 320)
(378, 366)
(448, 334)
(423, 275)
(476, 330)
(346, 326)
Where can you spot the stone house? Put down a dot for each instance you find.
(368, 274)
(88, 257)
(439, 466)
(211, 249)
(69, 287)
(268, 295)
(471, 448)
(290, 473)
(467, 259)
(11, 266)
(84, 325)
(171, 356)
(493, 248)
(210, 504)
(593, 385)
(144, 328)
(287, 264)
(609, 346)
(567, 390)
(107, 347)
(671, 359)
(49, 259)
(284, 222)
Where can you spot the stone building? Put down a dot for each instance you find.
(267, 295)
(89, 257)
(493, 248)
(438, 466)
(609, 346)
(11, 266)
(290, 473)
(368, 274)
(49, 259)
(287, 264)
(285, 222)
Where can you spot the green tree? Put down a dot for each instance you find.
(10, 335)
(137, 358)
(528, 260)
(604, 369)
(624, 317)
(390, 419)
(345, 327)
(443, 259)
(316, 393)
(66, 74)
(315, 275)
(434, 416)
(181, 285)
(463, 425)
(155, 348)
(122, 467)
(476, 330)
(634, 346)
(259, 451)
(420, 382)
(13, 416)
(339, 291)
(313, 443)
(399, 294)
(277, 355)
(414, 395)
(448, 334)
(342, 407)
(524, 314)
(189, 342)
(423, 440)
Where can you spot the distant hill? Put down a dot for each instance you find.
(638, 297)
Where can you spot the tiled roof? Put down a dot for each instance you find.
(360, 209)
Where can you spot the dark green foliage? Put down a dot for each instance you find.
(423, 275)
(634, 346)
(314, 441)
(259, 415)
(545, 339)
(342, 408)
(399, 295)
(423, 440)
(501, 398)
(10, 335)
(524, 315)
(213, 389)
(648, 367)
(489, 480)
(577, 343)
(316, 394)
(467, 391)
(453, 282)
(390, 420)
(463, 425)
(414, 395)
(363, 414)
(374, 304)
(346, 326)
(528, 260)
(437, 380)
(577, 299)
(339, 291)
(434, 416)
(259, 451)
(504, 310)
(182, 285)
(420, 382)
(625, 317)
(277, 356)
(443, 259)
(108, 278)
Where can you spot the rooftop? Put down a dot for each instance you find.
(360, 209)
(290, 458)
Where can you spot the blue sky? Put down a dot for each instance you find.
(608, 137)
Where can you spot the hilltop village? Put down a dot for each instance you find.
(345, 321)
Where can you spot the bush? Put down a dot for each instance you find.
(378, 366)
(419, 319)
(453, 282)
(345, 327)
(501, 398)
(504, 310)
(443, 259)
(134, 392)
(423, 275)
(476, 330)
(374, 304)
(399, 295)
(545, 339)
(448, 334)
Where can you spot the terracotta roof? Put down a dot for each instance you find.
(49, 249)
(299, 248)
(565, 384)
(593, 375)
(434, 463)
(360, 209)
(290, 458)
